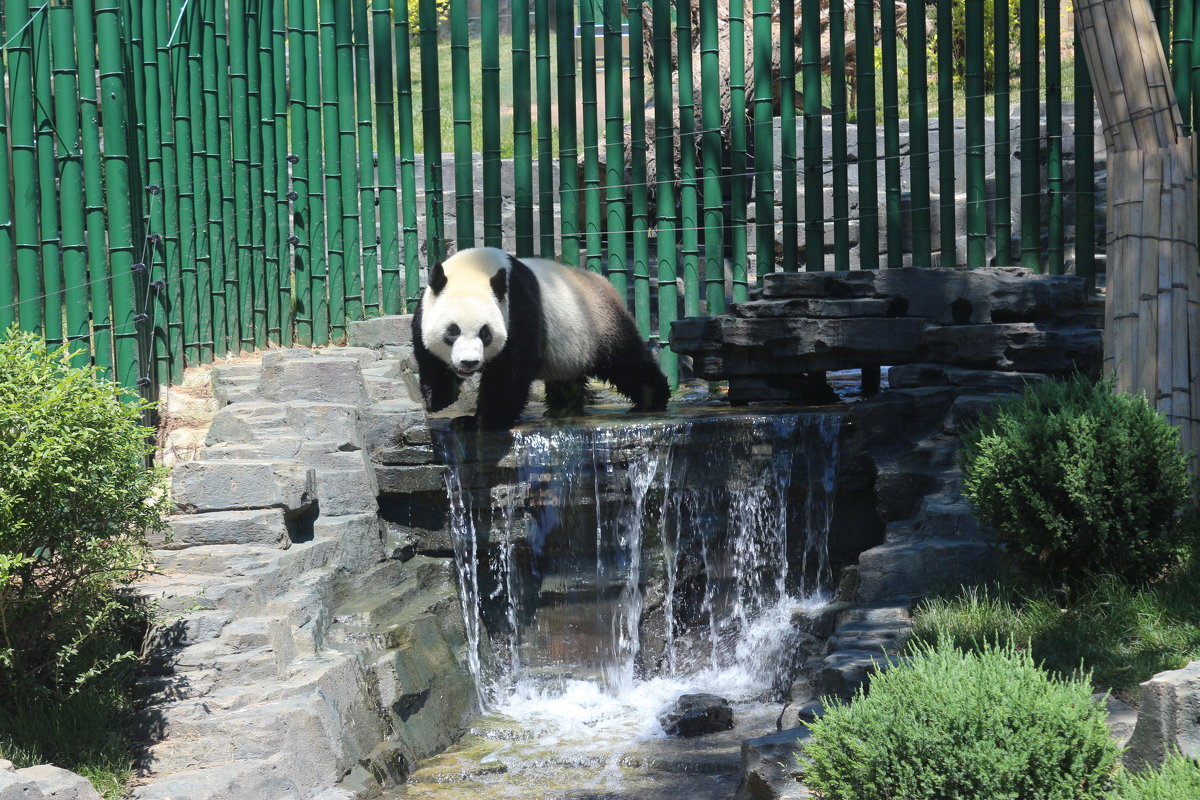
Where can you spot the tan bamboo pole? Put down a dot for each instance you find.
(1152, 316)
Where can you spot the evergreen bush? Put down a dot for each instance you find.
(1076, 478)
(1177, 779)
(77, 500)
(983, 725)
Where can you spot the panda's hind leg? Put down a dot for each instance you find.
(633, 373)
(566, 398)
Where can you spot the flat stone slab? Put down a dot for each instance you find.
(1014, 347)
(321, 379)
(948, 296)
(229, 485)
(817, 307)
(723, 347)
(772, 765)
(380, 332)
(255, 526)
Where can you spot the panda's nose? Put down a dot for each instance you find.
(468, 365)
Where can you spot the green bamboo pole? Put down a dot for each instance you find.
(689, 239)
(668, 288)
(489, 57)
(522, 130)
(1162, 16)
(788, 158)
(225, 225)
(314, 112)
(335, 166)
(545, 123)
(918, 135)
(1003, 157)
(614, 157)
(891, 131)
(1085, 172)
(464, 179)
(947, 244)
(283, 186)
(172, 294)
(159, 157)
(24, 167)
(8, 308)
(145, 248)
(976, 168)
(1191, 66)
(739, 196)
(1054, 154)
(47, 179)
(365, 154)
(431, 121)
(272, 33)
(640, 209)
(568, 173)
(814, 178)
(197, 275)
(710, 121)
(408, 161)
(212, 170)
(1030, 144)
(301, 252)
(70, 194)
(591, 138)
(117, 194)
(866, 130)
(348, 153)
(838, 136)
(392, 288)
(764, 181)
(264, 276)
(1181, 61)
(239, 88)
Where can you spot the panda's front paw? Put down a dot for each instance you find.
(464, 424)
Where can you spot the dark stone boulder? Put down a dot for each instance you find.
(696, 715)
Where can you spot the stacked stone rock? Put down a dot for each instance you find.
(295, 630)
(986, 329)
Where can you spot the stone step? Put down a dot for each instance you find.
(263, 526)
(910, 568)
(843, 672)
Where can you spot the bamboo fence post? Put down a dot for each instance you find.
(788, 155)
(918, 134)
(839, 143)
(1152, 317)
(47, 173)
(814, 163)
(617, 266)
(365, 154)
(689, 240)
(592, 260)
(8, 309)
(668, 288)
(866, 131)
(738, 187)
(408, 162)
(522, 130)
(714, 250)
(70, 195)
(640, 210)
(545, 125)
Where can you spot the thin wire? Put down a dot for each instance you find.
(28, 22)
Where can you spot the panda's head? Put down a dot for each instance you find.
(464, 313)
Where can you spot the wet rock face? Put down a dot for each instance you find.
(697, 714)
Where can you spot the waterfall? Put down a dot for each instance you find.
(613, 554)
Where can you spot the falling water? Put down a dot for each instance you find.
(606, 569)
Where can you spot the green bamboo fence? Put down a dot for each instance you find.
(195, 178)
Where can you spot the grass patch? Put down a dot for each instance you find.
(85, 733)
(1124, 634)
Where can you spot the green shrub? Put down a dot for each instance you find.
(1178, 778)
(1075, 478)
(985, 725)
(76, 503)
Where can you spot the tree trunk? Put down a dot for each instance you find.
(1152, 316)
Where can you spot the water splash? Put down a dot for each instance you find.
(621, 560)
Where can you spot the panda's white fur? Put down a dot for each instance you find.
(520, 319)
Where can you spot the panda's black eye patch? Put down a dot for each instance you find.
(485, 335)
(451, 333)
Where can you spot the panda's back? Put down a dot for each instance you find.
(580, 314)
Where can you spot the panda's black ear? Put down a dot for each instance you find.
(437, 278)
(500, 284)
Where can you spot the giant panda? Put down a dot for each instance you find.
(517, 320)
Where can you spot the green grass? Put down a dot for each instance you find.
(85, 734)
(1122, 634)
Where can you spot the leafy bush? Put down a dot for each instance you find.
(76, 503)
(414, 15)
(986, 725)
(1076, 478)
(1178, 778)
